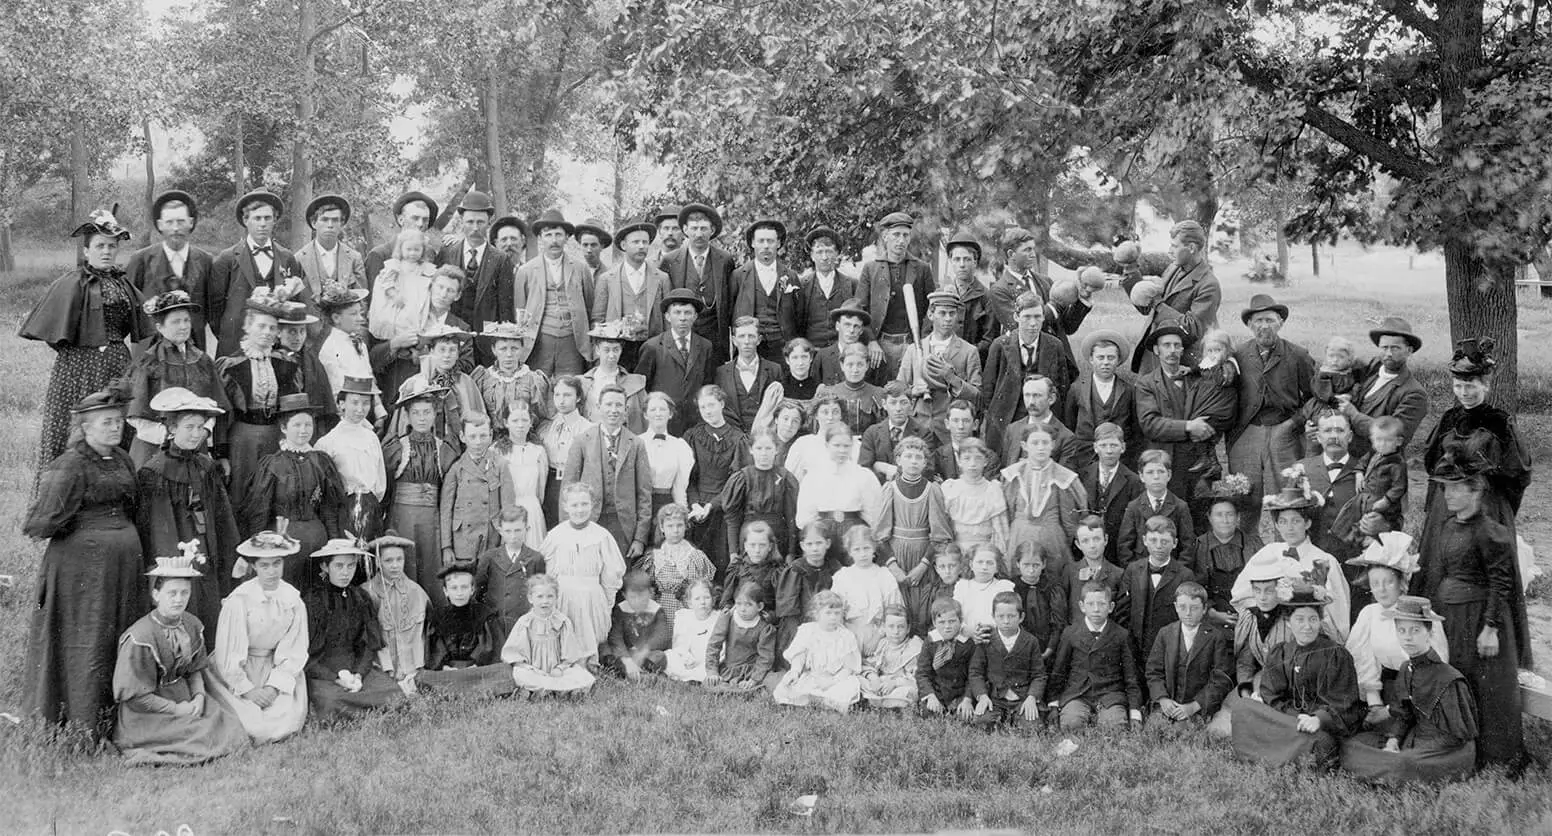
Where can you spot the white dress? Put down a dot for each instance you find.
(530, 465)
(587, 564)
(825, 668)
(830, 489)
(975, 598)
(399, 298)
(670, 459)
(261, 639)
(867, 590)
(1375, 647)
(687, 654)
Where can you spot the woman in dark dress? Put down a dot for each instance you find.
(720, 450)
(344, 636)
(254, 380)
(183, 498)
(168, 359)
(85, 317)
(89, 589)
(299, 483)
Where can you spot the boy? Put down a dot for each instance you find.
(1189, 669)
(747, 375)
(943, 668)
(417, 463)
(475, 493)
(1109, 483)
(1333, 379)
(501, 574)
(958, 426)
(464, 639)
(1101, 397)
(639, 637)
(851, 323)
(1044, 597)
(862, 403)
(943, 366)
(1385, 478)
(1150, 586)
(1156, 500)
(879, 441)
(677, 362)
(921, 597)
(1092, 566)
(1094, 673)
(1007, 673)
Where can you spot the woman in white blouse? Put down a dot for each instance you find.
(1376, 651)
(839, 490)
(808, 451)
(669, 457)
(557, 435)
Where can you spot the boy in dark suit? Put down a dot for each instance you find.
(877, 450)
(1094, 673)
(677, 362)
(501, 574)
(1091, 565)
(1007, 674)
(1101, 397)
(1156, 500)
(1150, 587)
(943, 668)
(1111, 485)
(1190, 666)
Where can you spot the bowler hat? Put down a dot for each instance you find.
(823, 231)
(505, 221)
(851, 307)
(639, 225)
(260, 196)
(1395, 326)
(963, 238)
(683, 296)
(477, 201)
(1260, 303)
(182, 197)
(596, 227)
(411, 197)
(552, 219)
(326, 201)
(701, 208)
(766, 223)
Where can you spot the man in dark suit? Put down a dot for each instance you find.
(1094, 673)
(767, 289)
(881, 288)
(707, 270)
(1110, 485)
(327, 258)
(614, 461)
(1388, 387)
(413, 210)
(488, 274)
(174, 264)
(1013, 357)
(1333, 473)
(1190, 668)
(1189, 285)
(1038, 398)
(1276, 378)
(1103, 397)
(677, 362)
(1020, 249)
(825, 286)
(745, 377)
(958, 426)
(255, 261)
(1150, 587)
(1180, 414)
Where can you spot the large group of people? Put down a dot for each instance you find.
(444, 467)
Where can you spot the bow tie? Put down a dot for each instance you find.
(264, 250)
(1156, 570)
(660, 437)
(1335, 465)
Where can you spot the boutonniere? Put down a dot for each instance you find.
(789, 285)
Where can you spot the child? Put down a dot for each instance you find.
(758, 564)
(1091, 565)
(345, 637)
(1094, 674)
(675, 564)
(742, 648)
(693, 627)
(1007, 673)
(1155, 501)
(976, 507)
(546, 653)
(1044, 498)
(1220, 370)
(509, 380)
(401, 605)
(528, 463)
(1385, 478)
(418, 462)
(1110, 484)
(456, 394)
(476, 491)
(957, 428)
(720, 450)
(824, 660)
(1042, 597)
(1219, 555)
(802, 578)
(1190, 664)
(501, 574)
(881, 441)
(1218, 364)
(889, 675)
(638, 633)
(463, 640)
(1333, 379)
(800, 376)
(947, 564)
(913, 519)
(865, 587)
(943, 668)
(585, 562)
(763, 491)
(862, 403)
(976, 593)
(1150, 585)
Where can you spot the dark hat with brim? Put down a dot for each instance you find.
(1413, 608)
(358, 386)
(102, 222)
(701, 208)
(418, 389)
(165, 303)
(295, 313)
(505, 221)
(823, 232)
(1457, 468)
(459, 567)
(1261, 303)
(294, 403)
(672, 210)
(477, 201)
(412, 197)
(682, 296)
(109, 398)
(851, 308)
(1303, 595)
(335, 296)
(1165, 330)
(260, 196)
(966, 240)
(1395, 326)
(1290, 498)
(765, 223)
(596, 227)
(182, 197)
(1473, 358)
(328, 201)
(636, 226)
(552, 219)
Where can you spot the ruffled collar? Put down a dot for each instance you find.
(285, 594)
(252, 352)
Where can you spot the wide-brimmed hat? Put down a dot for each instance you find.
(182, 197)
(269, 543)
(672, 210)
(1292, 497)
(259, 196)
(505, 221)
(264, 300)
(682, 296)
(765, 222)
(637, 225)
(622, 330)
(476, 201)
(342, 545)
(944, 297)
(358, 386)
(443, 331)
(963, 238)
(851, 307)
(181, 565)
(596, 227)
(326, 201)
(1270, 566)
(1473, 358)
(110, 397)
(503, 331)
(823, 231)
(894, 219)
(1391, 549)
(710, 213)
(1105, 335)
(293, 403)
(412, 197)
(1413, 608)
(335, 296)
(457, 567)
(552, 219)
(165, 303)
(390, 537)
(1260, 303)
(295, 313)
(418, 388)
(1298, 593)
(1165, 329)
(1395, 326)
(102, 222)
(176, 399)
(1454, 467)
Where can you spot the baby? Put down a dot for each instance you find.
(1335, 376)
(1218, 364)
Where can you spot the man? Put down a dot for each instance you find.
(1189, 284)
(1026, 350)
(825, 286)
(174, 264)
(254, 261)
(1039, 396)
(509, 234)
(413, 210)
(944, 367)
(557, 292)
(1334, 474)
(669, 236)
(706, 270)
(327, 258)
(487, 291)
(1275, 381)
(594, 239)
(1180, 414)
(977, 321)
(614, 461)
(632, 285)
(1103, 397)
(850, 322)
(881, 287)
(677, 362)
(1388, 387)
(766, 289)
(1020, 248)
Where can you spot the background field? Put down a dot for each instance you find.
(663, 758)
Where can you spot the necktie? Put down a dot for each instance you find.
(1333, 467)
(177, 264)
(1104, 485)
(357, 342)
(264, 250)
(1029, 356)
(943, 654)
(660, 437)
(1157, 504)
(612, 443)
(474, 262)
(1155, 570)
(684, 345)
(895, 433)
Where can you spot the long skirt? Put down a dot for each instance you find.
(494, 679)
(154, 739)
(284, 717)
(420, 523)
(571, 680)
(90, 591)
(77, 372)
(838, 693)
(1364, 755)
(331, 702)
(250, 443)
(302, 571)
(1494, 682)
(1262, 733)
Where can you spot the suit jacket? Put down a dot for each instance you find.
(745, 287)
(233, 276)
(487, 295)
(1002, 381)
(1102, 671)
(349, 266)
(1082, 411)
(1064, 445)
(149, 272)
(1282, 383)
(1164, 408)
(1111, 505)
(875, 289)
(743, 403)
(950, 682)
(1194, 292)
(1150, 609)
(529, 289)
(1338, 492)
(474, 497)
(501, 583)
(816, 306)
(1208, 671)
(964, 358)
(632, 498)
(716, 289)
(875, 445)
(671, 372)
(1403, 398)
(610, 288)
(1002, 298)
(1134, 521)
(995, 670)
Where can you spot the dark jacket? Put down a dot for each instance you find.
(951, 681)
(1101, 671)
(670, 372)
(1150, 609)
(1002, 381)
(487, 295)
(149, 272)
(1274, 389)
(1205, 676)
(874, 289)
(995, 670)
(1403, 398)
(501, 583)
(1134, 522)
(1112, 504)
(233, 276)
(1082, 411)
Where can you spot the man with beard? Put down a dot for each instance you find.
(706, 269)
(1275, 380)
(881, 288)
(1387, 387)
(1179, 413)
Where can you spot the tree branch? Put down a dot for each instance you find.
(325, 30)
(1409, 14)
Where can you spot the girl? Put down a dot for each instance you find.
(913, 518)
(742, 649)
(809, 451)
(455, 393)
(170, 358)
(976, 593)
(719, 449)
(975, 504)
(889, 675)
(344, 637)
(588, 568)
(865, 586)
(160, 679)
(788, 424)
(862, 403)
(676, 565)
(261, 643)
(669, 458)
(401, 290)
(608, 345)
(692, 633)
(762, 491)
(839, 490)
(557, 434)
(509, 381)
(803, 578)
(758, 563)
(545, 652)
(1044, 498)
(529, 465)
(799, 383)
(824, 660)
(300, 484)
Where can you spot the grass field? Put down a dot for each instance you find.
(658, 757)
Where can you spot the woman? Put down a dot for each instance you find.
(343, 349)
(529, 465)
(720, 449)
(608, 346)
(254, 380)
(1044, 500)
(566, 424)
(343, 637)
(509, 379)
(807, 451)
(297, 489)
(183, 498)
(1293, 511)
(788, 423)
(85, 317)
(168, 359)
(1389, 563)
(166, 713)
(669, 458)
(799, 379)
(88, 584)
(839, 490)
(261, 643)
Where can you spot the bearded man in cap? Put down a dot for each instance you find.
(174, 263)
(487, 283)
(1276, 378)
(881, 287)
(413, 210)
(257, 260)
(706, 269)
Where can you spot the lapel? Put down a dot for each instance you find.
(246, 265)
(1319, 477)
(1203, 636)
(1180, 280)
(507, 564)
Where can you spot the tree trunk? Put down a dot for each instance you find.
(79, 176)
(7, 208)
(306, 107)
(498, 172)
(1315, 258)
(1279, 217)
(552, 99)
(239, 156)
(1482, 304)
(7, 258)
(150, 168)
(1197, 180)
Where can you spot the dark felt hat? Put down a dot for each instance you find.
(1260, 303)
(505, 221)
(852, 307)
(358, 386)
(102, 222)
(1395, 326)
(411, 197)
(336, 296)
(701, 208)
(596, 227)
(765, 223)
(672, 210)
(964, 239)
(477, 201)
(1164, 330)
(109, 398)
(552, 219)
(328, 201)
(682, 296)
(259, 196)
(296, 402)
(638, 225)
(171, 195)
(823, 231)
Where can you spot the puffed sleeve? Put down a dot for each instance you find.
(518, 650)
(290, 654)
(1359, 644)
(136, 673)
(232, 645)
(61, 491)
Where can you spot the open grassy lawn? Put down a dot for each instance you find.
(660, 757)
